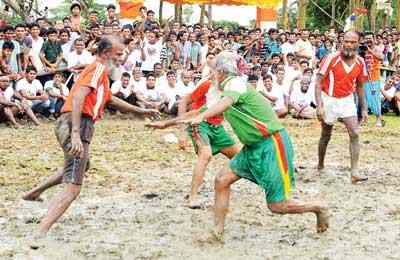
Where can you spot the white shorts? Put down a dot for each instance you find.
(336, 108)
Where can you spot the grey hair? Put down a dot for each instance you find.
(226, 62)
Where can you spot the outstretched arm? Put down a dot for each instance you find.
(214, 110)
(174, 121)
(123, 106)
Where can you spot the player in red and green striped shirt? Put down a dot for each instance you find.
(267, 155)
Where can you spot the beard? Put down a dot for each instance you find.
(348, 53)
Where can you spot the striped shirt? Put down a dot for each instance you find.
(338, 78)
(94, 76)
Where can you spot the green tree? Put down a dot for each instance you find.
(231, 25)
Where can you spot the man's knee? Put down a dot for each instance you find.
(73, 190)
(204, 153)
(354, 134)
(223, 180)
(326, 134)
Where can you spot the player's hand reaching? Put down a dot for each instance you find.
(151, 113)
(157, 125)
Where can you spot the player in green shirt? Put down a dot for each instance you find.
(267, 155)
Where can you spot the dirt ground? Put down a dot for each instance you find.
(132, 205)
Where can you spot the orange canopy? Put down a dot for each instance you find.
(259, 3)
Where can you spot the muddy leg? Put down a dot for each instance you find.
(292, 207)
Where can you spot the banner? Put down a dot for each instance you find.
(129, 9)
(259, 3)
(266, 18)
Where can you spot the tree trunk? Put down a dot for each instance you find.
(180, 11)
(301, 19)
(285, 15)
(373, 17)
(202, 13)
(398, 15)
(160, 11)
(176, 12)
(209, 15)
(333, 12)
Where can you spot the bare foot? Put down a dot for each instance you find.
(37, 240)
(320, 169)
(213, 237)
(355, 178)
(195, 203)
(32, 196)
(323, 220)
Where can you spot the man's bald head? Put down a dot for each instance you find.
(350, 44)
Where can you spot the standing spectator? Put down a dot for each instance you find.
(65, 42)
(5, 61)
(93, 17)
(57, 92)
(32, 90)
(194, 54)
(372, 87)
(151, 52)
(79, 58)
(133, 54)
(111, 15)
(76, 18)
(271, 45)
(37, 44)
(10, 36)
(304, 48)
(51, 53)
(25, 43)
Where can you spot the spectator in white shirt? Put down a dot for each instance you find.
(79, 58)
(138, 82)
(170, 92)
(8, 108)
(186, 84)
(304, 48)
(57, 92)
(281, 83)
(32, 90)
(275, 96)
(151, 52)
(124, 89)
(150, 97)
(300, 100)
(37, 43)
(133, 54)
(389, 97)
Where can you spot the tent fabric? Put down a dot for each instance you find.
(259, 3)
(129, 8)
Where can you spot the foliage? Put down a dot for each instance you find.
(63, 9)
(187, 14)
(231, 25)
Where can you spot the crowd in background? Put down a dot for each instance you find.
(161, 63)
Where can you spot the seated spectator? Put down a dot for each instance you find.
(389, 98)
(275, 96)
(300, 101)
(12, 103)
(137, 80)
(281, 82)
(186, 84)
(123, 89)
(8, 108)
(171, 93)
(51, 53)
(150, 97)
(57, 92)
(32, 90)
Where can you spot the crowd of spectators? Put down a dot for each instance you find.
(161, 63)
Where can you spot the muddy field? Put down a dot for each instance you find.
(133, 203)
